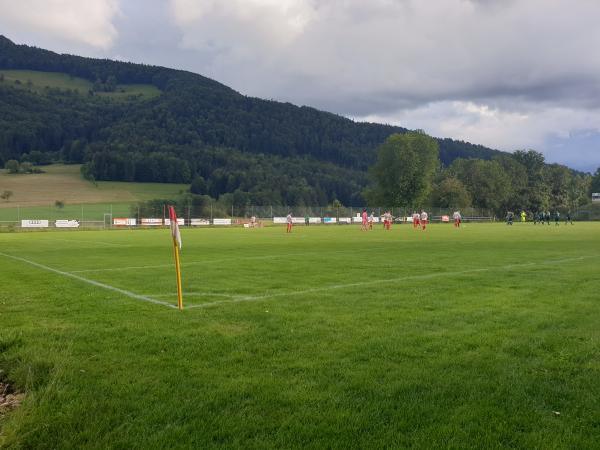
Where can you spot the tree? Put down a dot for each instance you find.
(12, 165)
(486, 181)
(198, 186)
(537, 188)
(6, 195)
(450, 193)
(26, 167)
(404, 170)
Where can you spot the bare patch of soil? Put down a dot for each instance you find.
(9, 398)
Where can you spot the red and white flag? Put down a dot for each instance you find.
(174, 226)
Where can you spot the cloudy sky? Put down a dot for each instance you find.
(508, 74)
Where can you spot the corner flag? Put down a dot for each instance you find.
(176, 247)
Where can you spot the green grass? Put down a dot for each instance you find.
(39, 80)
(483, 337)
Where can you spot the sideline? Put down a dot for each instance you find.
(92, 282)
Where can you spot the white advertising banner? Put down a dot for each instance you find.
(329, 220)
(34, 224)
(199, 222)
(124, 222)
(180, 221)
(356, 219)
(314, 220)
(66, 224)
(345, 219)
(221, 221)
(279, 220)
(152, 222)
(297, 219)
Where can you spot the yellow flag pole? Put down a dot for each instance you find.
(178, 272)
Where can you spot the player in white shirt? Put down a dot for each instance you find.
(424, 219)
(457, 218)
(289, 222)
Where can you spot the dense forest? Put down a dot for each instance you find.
(196, 131)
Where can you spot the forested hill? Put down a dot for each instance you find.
(145, 123)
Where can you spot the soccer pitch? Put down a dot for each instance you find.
(486, 336)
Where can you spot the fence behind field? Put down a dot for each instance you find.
(105, 215)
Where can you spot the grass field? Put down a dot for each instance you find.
(483, 337)
(34, 195)
(39, 80)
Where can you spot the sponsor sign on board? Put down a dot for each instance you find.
(34, 224)
(345, 220)
(297, 219)
(66, 224)
(124, 222)
(314, 220)
(180, 221)
(199, 222)
(596, 196)
(445, 218)
(279, 220)
(150, 222)
(221, 221)
(329, 220)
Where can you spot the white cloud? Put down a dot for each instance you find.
(528, 126)
(86, 22)
(238, 27)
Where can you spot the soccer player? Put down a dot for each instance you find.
(365, 220)
(415, 217)
(306, 220)
(556, 218)
(423, 219)
(457, 218)
(547, 217)
(568, 218)
(387, 220)
(289, 222)
(371, 220)
(523, 216)
(509, 218)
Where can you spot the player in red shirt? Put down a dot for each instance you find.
(363, 227)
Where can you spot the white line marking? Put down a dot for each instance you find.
(199, 294)
(112, 269)
(388, 280)
(92, 282)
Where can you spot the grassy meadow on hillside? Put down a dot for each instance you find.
(36, 194)
(39, 80)
(481, 337)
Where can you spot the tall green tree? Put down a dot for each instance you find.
(403, 173)
(538, 192)
(450, 192)
(487, 182)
